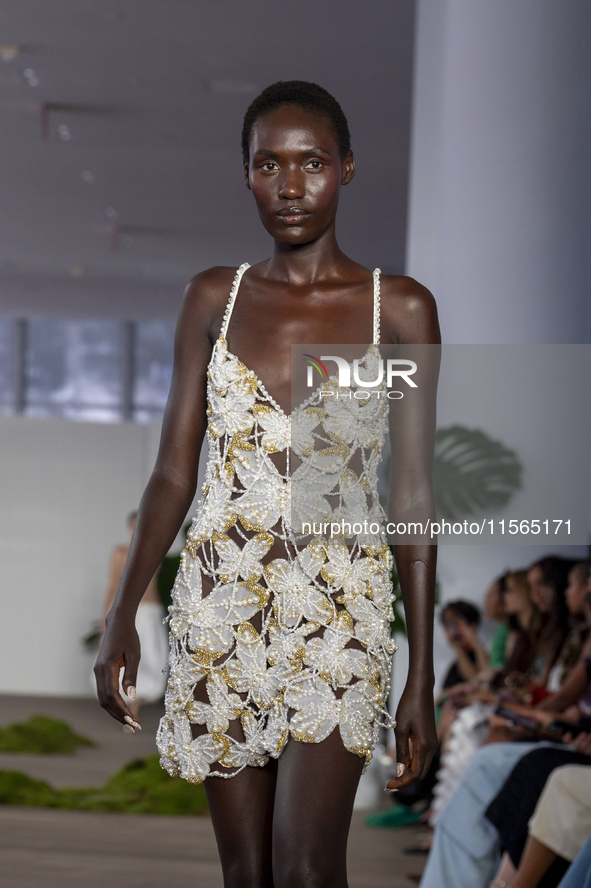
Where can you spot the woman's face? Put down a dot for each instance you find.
(542, 594)
(451, 626)
(575, 592)
(588, 601)
(295, 173)
(493, 603)
(515, 600)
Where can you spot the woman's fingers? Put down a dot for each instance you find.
(403, 758)
(130, 674)
(402, 749)
(415, 758)
(412, 772)
(582, 742)
(421, 763)
(107, 681)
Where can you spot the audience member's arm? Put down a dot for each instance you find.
(573, 687)
(467, 667)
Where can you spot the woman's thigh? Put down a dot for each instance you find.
(314, 795)
(241, 811)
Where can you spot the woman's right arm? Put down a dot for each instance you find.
(572, 688)
(170, 490)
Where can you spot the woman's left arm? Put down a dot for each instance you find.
(410, 321)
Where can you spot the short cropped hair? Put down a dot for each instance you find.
(304, 94)
(463, 609)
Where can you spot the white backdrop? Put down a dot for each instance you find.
(66, 490)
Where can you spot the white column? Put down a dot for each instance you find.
(499, 185)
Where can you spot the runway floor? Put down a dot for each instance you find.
(44, 848)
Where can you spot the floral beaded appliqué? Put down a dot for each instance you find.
(291, 636)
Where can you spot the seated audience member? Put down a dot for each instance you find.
(549, 789)
(575, 602)
(464, 723)
(494, 608)
(460, 620)
(465, 851)
(568, 677)
(524, 623)
(548, 580)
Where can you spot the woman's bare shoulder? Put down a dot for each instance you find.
(205, 298)
(211, 285)
(408, 311)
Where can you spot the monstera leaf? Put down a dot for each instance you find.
(472, 472)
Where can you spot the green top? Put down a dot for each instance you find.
(496, 658)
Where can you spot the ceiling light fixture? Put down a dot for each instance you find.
(31, 77)
(9, 52)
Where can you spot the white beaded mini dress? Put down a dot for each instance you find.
(277, 636)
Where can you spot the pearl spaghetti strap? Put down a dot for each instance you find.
(376, 306)
(232, 299)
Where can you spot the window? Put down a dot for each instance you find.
(153, 348)
(73, 369)
(8, 365)
(98, 371)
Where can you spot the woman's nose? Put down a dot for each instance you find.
(293, 185)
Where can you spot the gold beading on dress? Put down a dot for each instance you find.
(291, 646)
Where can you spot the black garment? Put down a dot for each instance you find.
(512, 807)
(454, 676)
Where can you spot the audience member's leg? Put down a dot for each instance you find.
(562, 818)
(513, 806)
(579, 873)
(465, 852)
(535, 863)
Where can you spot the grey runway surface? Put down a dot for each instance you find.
(44, 848)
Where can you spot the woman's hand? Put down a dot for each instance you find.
(120, 648)
(582, 742)
(416, 736)
(466, 635)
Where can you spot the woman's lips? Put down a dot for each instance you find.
(293, 215)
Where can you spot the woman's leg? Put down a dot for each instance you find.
(536, 861)
(465, 852)
(241, 811)
(316, 786)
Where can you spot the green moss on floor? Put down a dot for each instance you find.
(141, 787)
(41, 734)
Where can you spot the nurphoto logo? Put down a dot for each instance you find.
(391, 368)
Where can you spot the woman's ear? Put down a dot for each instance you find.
(348, 168)
(247, 175)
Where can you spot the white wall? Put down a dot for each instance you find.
(499, 196)
(66, 488)
(499, 204)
